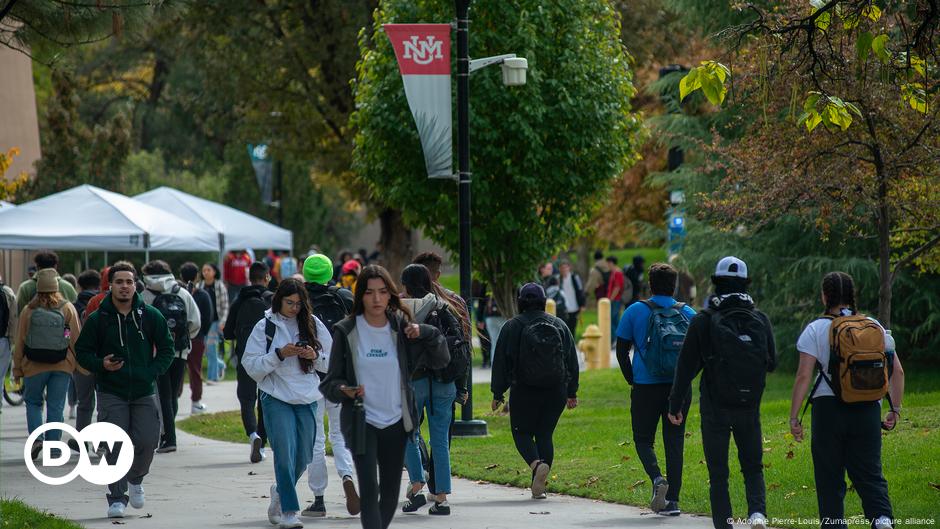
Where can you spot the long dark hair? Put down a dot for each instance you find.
(416, 278)
(305, 324)
(839, 289)
(394, 302)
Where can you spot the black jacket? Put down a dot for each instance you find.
(697, 347)
(507, 353)
(428, 349)
(239, 326)
(204, 302)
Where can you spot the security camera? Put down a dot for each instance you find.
(514, 71)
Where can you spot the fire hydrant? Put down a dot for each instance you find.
(590, 345)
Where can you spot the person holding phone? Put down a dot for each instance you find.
(285, 350)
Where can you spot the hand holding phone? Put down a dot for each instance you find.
(353, 391)
(113, 364)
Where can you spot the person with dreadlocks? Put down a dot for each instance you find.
(846, 427)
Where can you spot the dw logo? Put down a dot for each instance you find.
(98, 434)
(423, 52)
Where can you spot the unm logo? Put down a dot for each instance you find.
(423, 52)
(98, 434)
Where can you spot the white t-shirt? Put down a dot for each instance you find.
(569, 293)
(814, 341)
(377, 370)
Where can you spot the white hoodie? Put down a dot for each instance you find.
(165, 283)
(283, 379)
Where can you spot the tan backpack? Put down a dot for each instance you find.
(858, 364)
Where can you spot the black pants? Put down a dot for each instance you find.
(485, 344)
(246, 389)
(533, 415)
(571, 320)
(718, 425)
(378, 491)
(847, 438)
(649, 406)
(169, 385)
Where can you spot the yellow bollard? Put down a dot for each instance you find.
(550, 307)
(603, 321)
(590, 346)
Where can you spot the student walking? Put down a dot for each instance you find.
(846, 417)
(188, 274)
(83, 384)
(536, 361)
(218, 295)
(281, 355)
(734, 343)
(379, 339)
(27, 290)
(126, 344)
(8, 322)
(655, 329)
(44, 355)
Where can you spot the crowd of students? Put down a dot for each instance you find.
(324, 340)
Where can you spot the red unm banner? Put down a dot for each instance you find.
(421, 49)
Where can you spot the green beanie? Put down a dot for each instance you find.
(318, 269)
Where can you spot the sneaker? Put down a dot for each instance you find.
(256, 449)
(414, 503)
(73, 445)
(541, 496)
(116, 510)
(209, 382)
(290, 521)
(671, 509)
(136, 493)
(660, 488)
(72, 411)
(353, 505)
(758, 521)
(883, 522)
(540, 478)
(440, 508)
(199, 407)
(166, 448)
(316, 510)
(274, 508)
(36, 450)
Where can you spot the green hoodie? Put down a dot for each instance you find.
(141, 339)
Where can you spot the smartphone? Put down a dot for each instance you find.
(302, 343)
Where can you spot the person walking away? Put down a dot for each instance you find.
(480, 301)
(247, 310)
(27, 289)
(733, 343)
(44, 355)
(8, 324)
(573, 291)
(552, 286)
(634, 274)
(536, 361)
(189, 272)
(599, 277)
(285, 266)
(377, 339)
(330, 304)
(858, 366)
(83, 383)
(218, 295)
(350, 272)
(236, 266)
(126, 344)
(615, 293)
(179, 309)
(281, 356)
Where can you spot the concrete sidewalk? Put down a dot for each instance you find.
(211, 484)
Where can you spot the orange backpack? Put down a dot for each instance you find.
(858, 363)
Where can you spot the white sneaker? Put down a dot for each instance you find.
(72, 411)
(758, 521)
(883, 522)
(274, 508)
(257, 450)
(116, 510)
(290, 521)
(199, 407)
(136, 493)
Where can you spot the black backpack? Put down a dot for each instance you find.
(250, 311)
(329, 307)
(738, 357)
(4, 312)
(458, 348)
(541, 360)
(173, 308)
(600, 291)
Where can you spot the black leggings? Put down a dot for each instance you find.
(533, 415)
(378, 491)
(247, 391)
(168, 386)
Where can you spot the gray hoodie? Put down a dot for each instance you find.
(158, 284)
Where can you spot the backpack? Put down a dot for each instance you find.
(738, 361)
(329, 307)
(250, 311)
(288, 267)
(664, 338)
(541, 361)
(47, 340)
(601, 290)
(554, 293)
(858, 364)
(173, 308)
(458, 348)
(4, 312)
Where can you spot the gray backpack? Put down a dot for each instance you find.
(47, 340)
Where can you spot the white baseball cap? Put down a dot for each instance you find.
(731, 267)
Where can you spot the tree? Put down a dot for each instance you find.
(543, 155)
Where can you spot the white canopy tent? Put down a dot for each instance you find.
(237, 230)
(4, 204)
(90, 218)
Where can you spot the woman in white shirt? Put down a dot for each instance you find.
(375, 351)
(283, 354)
(846, 437)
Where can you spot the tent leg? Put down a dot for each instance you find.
(146, 256)
(105, 259)
(86, 259)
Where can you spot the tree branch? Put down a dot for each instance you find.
(909, 258)
(6, 9)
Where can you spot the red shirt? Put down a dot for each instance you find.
(615, 284)
(236, 269)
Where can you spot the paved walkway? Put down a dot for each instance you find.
(211, 484)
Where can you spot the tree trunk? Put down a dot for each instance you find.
(504, 291)
(396, 242)
(884, 255)
(584, 262)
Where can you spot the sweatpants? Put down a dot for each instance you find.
(85, 395)
(140, 420)
(194, 366)
(379, 473)
(718, 425)
(649, 406)
(847, 438)
(169, 385)
(533, 415)
(246, 390)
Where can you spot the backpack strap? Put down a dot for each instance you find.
(819, 379)
(269, 330)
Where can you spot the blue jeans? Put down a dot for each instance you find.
(212, 353)
(438, 397)
(493, 325)
(56, 386)
(292, 429)
(614, 318)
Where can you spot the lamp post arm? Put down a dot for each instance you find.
(476, 64)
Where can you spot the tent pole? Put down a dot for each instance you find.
(105, 259)
(147, 256)
(86, 259)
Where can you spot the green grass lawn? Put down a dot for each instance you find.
(595, 457)
(15, 514)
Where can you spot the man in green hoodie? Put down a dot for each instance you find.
(126, 344)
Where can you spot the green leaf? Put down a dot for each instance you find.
(850, 21)
(854, 109)
(863, 45)
(872, 11)
(813, 120)
(713, 89)
(824, 21)
(810, 104)
(878, 46)
(915, 96)
(690, 83)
